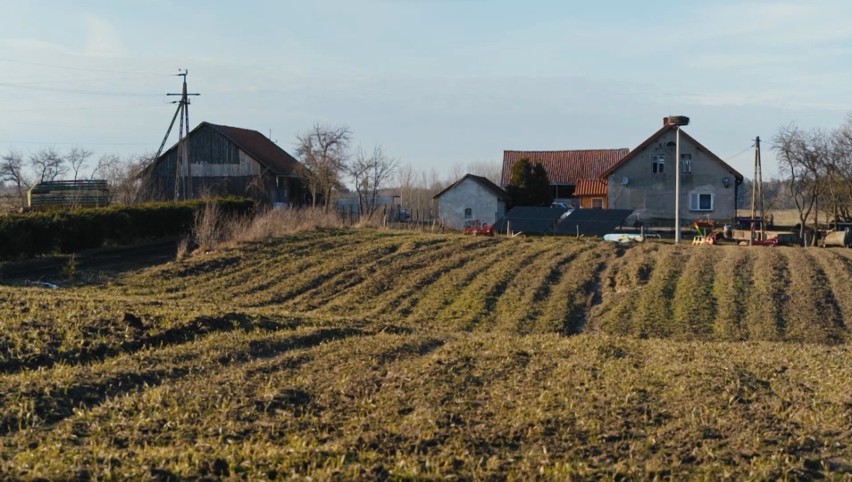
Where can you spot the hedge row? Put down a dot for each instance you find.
(31, 234)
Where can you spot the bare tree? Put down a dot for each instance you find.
(123, 177)
(47, 164)
(324, 151)
(12, 170)
(417, 188)
(802, 157)
(77, 158)
(490, 170)
(105, 163)
(370, 173)
(840, 171)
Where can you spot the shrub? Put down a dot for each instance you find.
(31, 234)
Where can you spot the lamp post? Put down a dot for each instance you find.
(677, 121)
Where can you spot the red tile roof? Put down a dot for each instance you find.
(565, 167)
(590, 187)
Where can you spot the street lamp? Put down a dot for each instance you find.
(677, 121)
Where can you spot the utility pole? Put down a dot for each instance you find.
(183, 141)
(757, 194)
(677, 121)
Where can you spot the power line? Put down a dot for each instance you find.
(67, 80)
(52, 143)
(82, 69)
(77, 91)
(740, 153)
(136, 106)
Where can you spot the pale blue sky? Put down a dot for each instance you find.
(436, 82)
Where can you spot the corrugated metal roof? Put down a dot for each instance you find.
(261, 149)
(565, 167)
(590, 187)
(530, 220)
(592, 222)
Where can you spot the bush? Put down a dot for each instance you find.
(31, 234)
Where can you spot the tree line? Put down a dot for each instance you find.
(20, 172)
(816, 166)
(331, 166)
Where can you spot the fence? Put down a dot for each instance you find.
(394, 216)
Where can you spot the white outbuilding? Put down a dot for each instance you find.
(471, 199)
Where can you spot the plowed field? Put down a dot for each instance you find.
(369, 354)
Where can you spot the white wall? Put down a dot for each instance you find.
(469, 194)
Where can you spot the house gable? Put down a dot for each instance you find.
(471, 198)
(644, 180)
(656, 137)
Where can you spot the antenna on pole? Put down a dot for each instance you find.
(183, 142)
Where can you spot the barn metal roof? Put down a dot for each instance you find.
(261, 149)
(592, 222)
(253, 143)
(565, 167)
(550, 220)
(530, 220)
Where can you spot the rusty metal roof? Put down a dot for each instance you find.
(565, 167)
(261, 149)
(590, 187)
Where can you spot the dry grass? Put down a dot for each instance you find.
(213, 229)
(346, 354)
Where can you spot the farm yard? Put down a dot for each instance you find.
(373, 354)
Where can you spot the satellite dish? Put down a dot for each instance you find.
(624, 181)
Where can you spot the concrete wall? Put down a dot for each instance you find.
(652, 194)
(469, 194)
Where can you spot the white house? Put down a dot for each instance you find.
(471, 198)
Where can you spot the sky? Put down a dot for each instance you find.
(436, 83)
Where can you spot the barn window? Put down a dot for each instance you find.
(686, 163)
(597, 203)
(468, 213)
(659, 165)
(700, 201)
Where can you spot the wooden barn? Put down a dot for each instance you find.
(225, 160)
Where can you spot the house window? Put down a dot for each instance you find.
(686, 163)
(468, 213)
(659, 165)
(700, 201)
(597, 203)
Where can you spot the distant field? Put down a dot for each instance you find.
(370, 354)
(782, 217)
